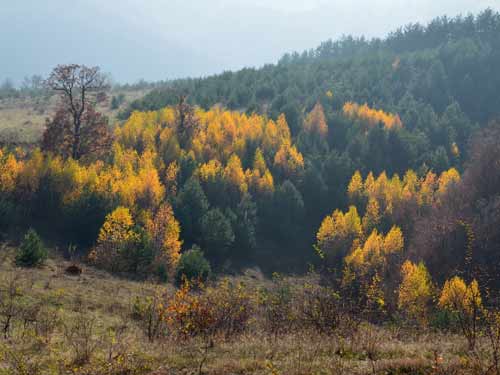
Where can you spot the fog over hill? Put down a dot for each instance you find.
(160, 39)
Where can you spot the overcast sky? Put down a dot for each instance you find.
(160, 39)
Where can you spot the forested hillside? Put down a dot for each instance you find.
(433, 64)
(371, 169)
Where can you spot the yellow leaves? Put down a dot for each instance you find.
(396, 198)
(415, 291)
(29, 175)
(171, 178)
(164, 231)
(372, 216)
(338, 231)
(375, 249)
(233, 173)
(9, 171)
(459, 297)
(259, 163)
(289, 161)
(149, 190)
(265, 184)
(372, 116)
(283, 129)
(394, 241)
(427, 189)
(271, 140)
(352, 223)
(117, 228)
(355, 189)
(326, 231)
(447, 179)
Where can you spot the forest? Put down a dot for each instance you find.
(359, 180)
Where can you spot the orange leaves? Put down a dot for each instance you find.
(289, 161)
(372, 116)
(223, 309)
(283, 129)
(10, 168)
(316, 121)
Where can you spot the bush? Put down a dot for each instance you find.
(193, 266)
(223, 310)
(32, 252)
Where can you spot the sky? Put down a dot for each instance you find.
(166, 39)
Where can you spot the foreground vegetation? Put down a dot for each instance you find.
(96, 324)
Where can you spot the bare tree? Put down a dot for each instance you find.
(78, 86)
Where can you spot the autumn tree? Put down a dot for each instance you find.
(415, 291)
(77, 129)
(465, 302)
(338, 234)
(355, 189)
(116, 238)
(164, 231)
(312, 138)
(371, 220)
(289, 162)
(316, 121)
(235, 180)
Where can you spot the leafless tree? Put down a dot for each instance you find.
(78, 86)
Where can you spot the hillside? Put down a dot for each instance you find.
(338, 212)
(60, 318)
(432, 64)
(22, 117)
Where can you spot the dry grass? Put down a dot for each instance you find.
(22, 120)
(119, 345)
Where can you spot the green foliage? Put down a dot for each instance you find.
(193, 266)
(117, 101)
(218, 235)
(190, 206)
(32, 252)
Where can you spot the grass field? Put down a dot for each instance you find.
(22, 120)
(94, 312)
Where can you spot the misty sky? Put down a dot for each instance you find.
(160, 39)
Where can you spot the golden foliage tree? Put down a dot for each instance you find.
(289, 161)
(465, 302)
(372, 116)
(415, 291)
(115, 238)
(337, 234)
(164, 231)
(315, 122)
